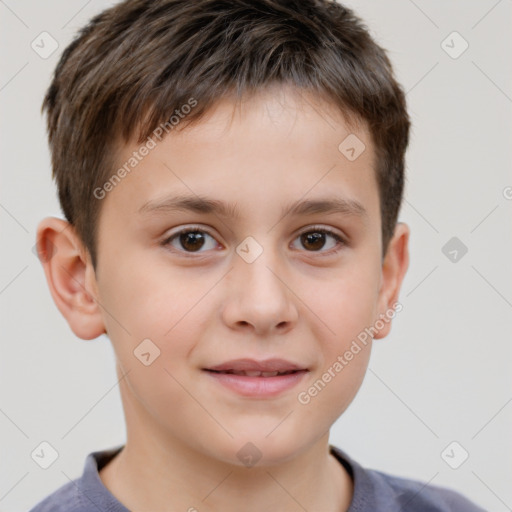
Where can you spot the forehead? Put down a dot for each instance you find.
(273, 147)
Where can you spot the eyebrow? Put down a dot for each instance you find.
(205, 205)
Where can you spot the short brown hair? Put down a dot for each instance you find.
(135, 63)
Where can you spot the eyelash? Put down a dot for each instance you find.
(314, 229)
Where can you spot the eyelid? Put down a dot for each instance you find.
(192, 227)
(319, 227)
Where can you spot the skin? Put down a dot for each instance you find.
(298, 301)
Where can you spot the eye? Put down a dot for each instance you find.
(190, 240)
(193, 238)
(315, 238)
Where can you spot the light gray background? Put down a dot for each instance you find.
(444, 373)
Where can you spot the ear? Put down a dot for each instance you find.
(394, 267)
(70, 276)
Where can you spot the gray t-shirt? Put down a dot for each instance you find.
(374, 491)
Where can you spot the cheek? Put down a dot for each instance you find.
(155, 329)
(342, 388)
(151, 300)
(331, 390)
(167, 322)
(344, 307)
(345, 304)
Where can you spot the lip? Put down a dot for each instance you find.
(267, 365)
(257, 386)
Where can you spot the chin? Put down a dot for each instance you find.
(255, 450)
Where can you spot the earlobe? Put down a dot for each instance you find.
(70, 277)
(394, 269)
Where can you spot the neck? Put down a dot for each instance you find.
(176, 476)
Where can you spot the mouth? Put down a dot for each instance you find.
(253, 368)
(257, 379)
(254, 373)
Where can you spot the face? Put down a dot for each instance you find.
(276, 254)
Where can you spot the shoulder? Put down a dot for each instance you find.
(415, 495)
(376, 491)
(64, 499)
(85, 493)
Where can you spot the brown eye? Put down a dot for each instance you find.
(313, 240)
(190, 240)
(317, 239)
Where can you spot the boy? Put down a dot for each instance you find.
(231, 174)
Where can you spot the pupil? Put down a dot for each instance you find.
(192, 240)
(313, 238)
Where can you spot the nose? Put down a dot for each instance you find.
(259, 296)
